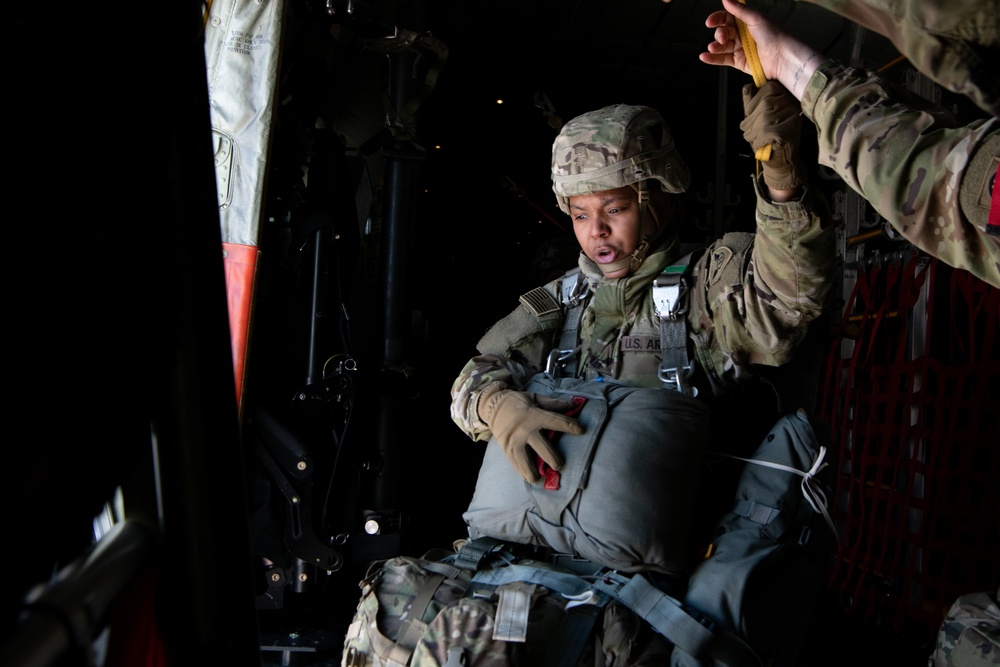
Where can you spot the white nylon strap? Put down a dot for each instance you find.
(513, 605)
(810, 489)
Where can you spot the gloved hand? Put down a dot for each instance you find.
(774, 118)
(517, 420)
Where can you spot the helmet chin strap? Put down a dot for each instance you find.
(634, 259)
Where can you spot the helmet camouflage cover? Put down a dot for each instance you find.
(612, 147)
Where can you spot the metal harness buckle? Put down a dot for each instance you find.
(556, 359)
(670, 300)
(670, 293)
(678, 380)
(574, 287)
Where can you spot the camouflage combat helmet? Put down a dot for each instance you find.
(612, 147)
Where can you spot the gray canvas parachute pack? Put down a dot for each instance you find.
(601, 539)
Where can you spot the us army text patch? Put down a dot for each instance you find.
(641, 344)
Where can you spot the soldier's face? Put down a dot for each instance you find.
(607, 225)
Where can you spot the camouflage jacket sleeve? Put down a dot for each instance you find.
(952, 42)
(754, 295)
(924, 172)
(511, 353)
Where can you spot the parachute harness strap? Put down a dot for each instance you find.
(670, 299)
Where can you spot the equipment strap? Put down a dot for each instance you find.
(564, 583)
(571, 638)
(670, 298)
(513, 604)
(686, 628)
(413, 627)
(574, 290)
(473, 553)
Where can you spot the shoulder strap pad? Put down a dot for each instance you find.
(725, 263)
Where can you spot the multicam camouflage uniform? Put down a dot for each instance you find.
(752, 297)
(956, 43)
(376, 635)
(924, 172)
(970, 633)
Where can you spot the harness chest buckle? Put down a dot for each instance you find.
(670, 293)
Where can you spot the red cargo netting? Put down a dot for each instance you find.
(912, 395)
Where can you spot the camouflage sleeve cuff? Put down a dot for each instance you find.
(826, 72)
(770, 212)
(481, 397)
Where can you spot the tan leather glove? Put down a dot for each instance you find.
(517, 420)
(774, 118)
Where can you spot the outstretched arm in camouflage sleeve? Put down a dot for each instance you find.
(956, 43)
(758, 293)
(793, 261)
(923, 171)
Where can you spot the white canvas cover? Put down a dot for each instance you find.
(242, 54)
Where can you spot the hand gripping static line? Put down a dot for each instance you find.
(756, 70)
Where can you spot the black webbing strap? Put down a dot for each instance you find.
(575, 292)
(574, 632)
(414, 627)
(474, 552)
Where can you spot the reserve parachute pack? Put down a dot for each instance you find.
(496, 601)
(617, 500)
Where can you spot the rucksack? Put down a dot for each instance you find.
(485, 605)
(431, 611)
(762, 570)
